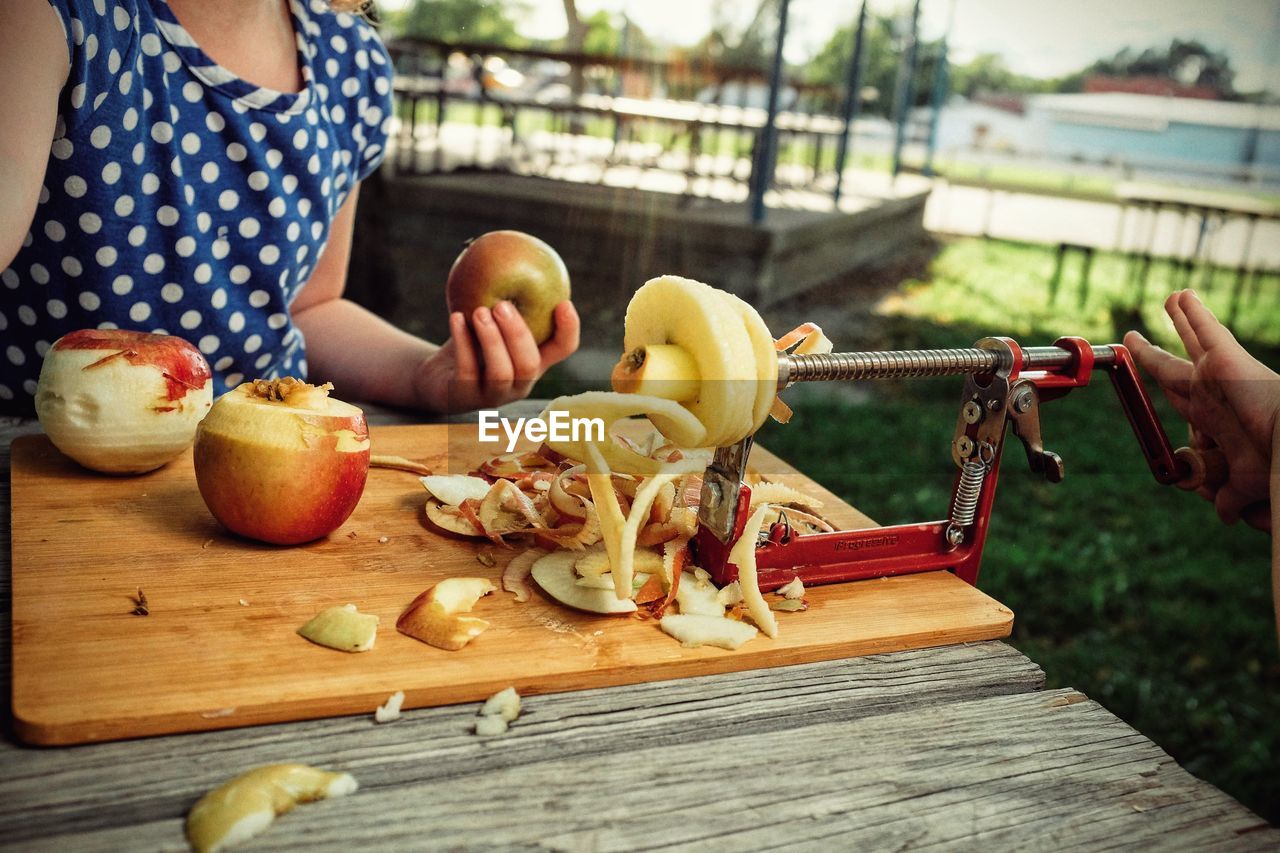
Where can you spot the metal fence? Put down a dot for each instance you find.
(689, 127)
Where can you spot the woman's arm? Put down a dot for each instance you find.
(33, 67)
(494, 361)
(364, 356)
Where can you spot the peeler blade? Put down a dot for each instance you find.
(721, 481)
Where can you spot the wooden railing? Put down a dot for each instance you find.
(688, 125)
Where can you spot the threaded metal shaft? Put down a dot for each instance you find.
(907, 364)
(901, 364)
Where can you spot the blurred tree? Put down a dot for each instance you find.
(881, 49)
(602, 36)
(987, 73)
(729, 44)
(1188, 62)
(481, 21)
(576, 35)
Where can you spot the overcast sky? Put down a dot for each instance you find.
(1038, 37)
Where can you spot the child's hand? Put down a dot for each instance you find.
(1230, 399)
(496, 365)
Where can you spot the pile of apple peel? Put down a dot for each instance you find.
(609, 521)
(614, 544)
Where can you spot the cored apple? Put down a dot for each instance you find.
(122, 402)
(511, 266)
(281, 461)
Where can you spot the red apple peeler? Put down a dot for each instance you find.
(1005, 384)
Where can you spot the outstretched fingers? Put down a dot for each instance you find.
(1171, 373)
(1173, 307)
(1209, 333)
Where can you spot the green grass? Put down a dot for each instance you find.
(1028, 178)
(994, 284)
(1129, 591)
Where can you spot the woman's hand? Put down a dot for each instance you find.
(493, 361)
(1230, 399)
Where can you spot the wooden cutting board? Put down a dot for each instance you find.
(218, 649)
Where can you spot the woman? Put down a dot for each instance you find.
(193, 167)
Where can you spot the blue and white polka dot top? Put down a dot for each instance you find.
(179, 198)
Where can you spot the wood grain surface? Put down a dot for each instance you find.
(950, 747)
(85, 669)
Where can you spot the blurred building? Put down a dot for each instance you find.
(1129, 130)
(1121, 126)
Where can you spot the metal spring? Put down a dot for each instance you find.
(902, 364)
(965, 506)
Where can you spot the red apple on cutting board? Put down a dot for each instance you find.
(281, 461)
(122, 402)
(511, 266)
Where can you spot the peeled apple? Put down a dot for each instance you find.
(122, 402)
(690, 343)
(711, 329)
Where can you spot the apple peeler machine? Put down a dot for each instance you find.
(1005, 385)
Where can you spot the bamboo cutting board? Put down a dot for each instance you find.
(218, 649)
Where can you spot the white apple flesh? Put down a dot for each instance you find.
(122, 402)
(282, 462)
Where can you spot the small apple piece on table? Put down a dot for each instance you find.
(498, 712)
(697, 629)
(343, 628)
(122, 402)
(245, 806)
(438, 617)
(281, 461)
(515, 267)
(697, 595)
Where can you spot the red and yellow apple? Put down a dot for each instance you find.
(511, 266)
(122, 402)
(281, 461)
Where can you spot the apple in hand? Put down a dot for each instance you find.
(122, 402)
(511, 266)
(281, 461)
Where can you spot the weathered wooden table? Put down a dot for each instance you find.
(955, 746)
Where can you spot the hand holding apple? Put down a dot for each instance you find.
(122, 402)
(512, 267)
(281, 461)
(495, 365)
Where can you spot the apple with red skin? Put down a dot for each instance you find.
(515, 267)
(122, 402)
(281, 461)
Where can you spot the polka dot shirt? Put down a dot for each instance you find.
(181, 199)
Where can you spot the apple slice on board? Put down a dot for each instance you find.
(438, 617)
